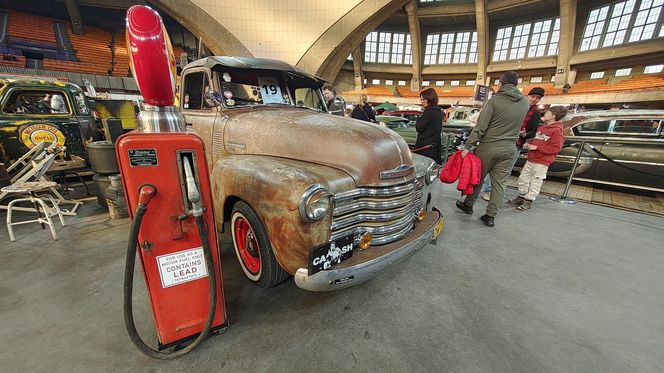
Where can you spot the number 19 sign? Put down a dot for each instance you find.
(270, 90)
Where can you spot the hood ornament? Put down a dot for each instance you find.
(399, 171)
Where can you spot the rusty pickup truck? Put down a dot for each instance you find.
(330, 200)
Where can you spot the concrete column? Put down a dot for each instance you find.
(357, 69)
(75, 17)
(567, 22)
(414, 27)
(482, 24)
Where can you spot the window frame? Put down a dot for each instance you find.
(206, 74)
(45, 90)
(604, 31)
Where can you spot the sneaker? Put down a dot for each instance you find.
(487, 220)
(525, 205)
(518, 201)
(486, 196)
(461, 205)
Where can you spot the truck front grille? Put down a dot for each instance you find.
(388, 213)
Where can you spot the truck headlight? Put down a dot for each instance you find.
(314, 203)
(432, 173)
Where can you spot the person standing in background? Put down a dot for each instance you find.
(335, 104)
(363, 111)
(533, 118)
(429, 126)
(492, 140)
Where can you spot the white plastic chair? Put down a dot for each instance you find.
(31, 182)
(31, 188)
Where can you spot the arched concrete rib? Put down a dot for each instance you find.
(214, 35)
(328, 54)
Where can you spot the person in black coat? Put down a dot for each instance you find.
(363, 111)
(429, 126)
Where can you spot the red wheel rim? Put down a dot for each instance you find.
(247, 245)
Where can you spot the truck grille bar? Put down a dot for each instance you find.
(388, 213)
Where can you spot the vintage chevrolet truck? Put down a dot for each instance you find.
(36, 109)
(330, 200)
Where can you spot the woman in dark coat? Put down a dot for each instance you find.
(429, 126)
(363, 111)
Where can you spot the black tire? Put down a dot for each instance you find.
(258, 264)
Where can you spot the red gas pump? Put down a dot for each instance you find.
(166, 182)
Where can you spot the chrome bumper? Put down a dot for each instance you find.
(335, 279)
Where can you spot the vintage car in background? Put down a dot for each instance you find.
(623, 148)
(33, 110)
(411, 115)
(330, 200)
(455, 131)
(391, 122)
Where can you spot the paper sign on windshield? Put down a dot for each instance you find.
(270, 90)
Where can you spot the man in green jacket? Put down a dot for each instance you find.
(493, 139)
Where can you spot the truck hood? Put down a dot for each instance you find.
(361, 149)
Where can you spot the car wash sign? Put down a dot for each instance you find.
(183, 266)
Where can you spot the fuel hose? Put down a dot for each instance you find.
(146, 192)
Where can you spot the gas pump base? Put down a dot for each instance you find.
(340, 278)
(184, 342)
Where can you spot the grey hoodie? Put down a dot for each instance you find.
(501, 118)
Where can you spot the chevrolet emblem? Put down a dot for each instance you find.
(399, 171)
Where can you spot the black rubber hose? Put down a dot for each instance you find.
(129, 282)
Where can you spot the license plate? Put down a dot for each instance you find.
(439, 227)
(327, 255)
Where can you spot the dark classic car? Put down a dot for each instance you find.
(623, 148)
(33, 110)
(330, 200)
(411, 115)
(391, 122)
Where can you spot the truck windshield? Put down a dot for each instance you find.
(252, 87)
(244, 87)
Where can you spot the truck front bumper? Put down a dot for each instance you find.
(339, 278)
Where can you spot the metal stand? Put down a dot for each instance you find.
(564, 198)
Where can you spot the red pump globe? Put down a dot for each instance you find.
(151, 56)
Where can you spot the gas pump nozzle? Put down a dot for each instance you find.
(192, 191)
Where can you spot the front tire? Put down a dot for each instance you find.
(253, 248)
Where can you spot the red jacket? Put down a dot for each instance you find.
(466, 169)
(549, 140)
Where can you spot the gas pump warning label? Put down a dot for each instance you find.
(181, 267)
(143, 157)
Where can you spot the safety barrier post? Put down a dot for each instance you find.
(564, 198)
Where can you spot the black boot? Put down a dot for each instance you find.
(463, 206)
(487, 220)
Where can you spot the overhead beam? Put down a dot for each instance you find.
(216, 37)
(328, 54)
(75, 17)
(498, 5)
(446, 10)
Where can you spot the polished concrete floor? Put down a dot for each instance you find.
(559, 288)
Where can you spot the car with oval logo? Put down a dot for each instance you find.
(34, 110)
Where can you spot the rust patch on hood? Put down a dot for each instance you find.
(361, 149)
